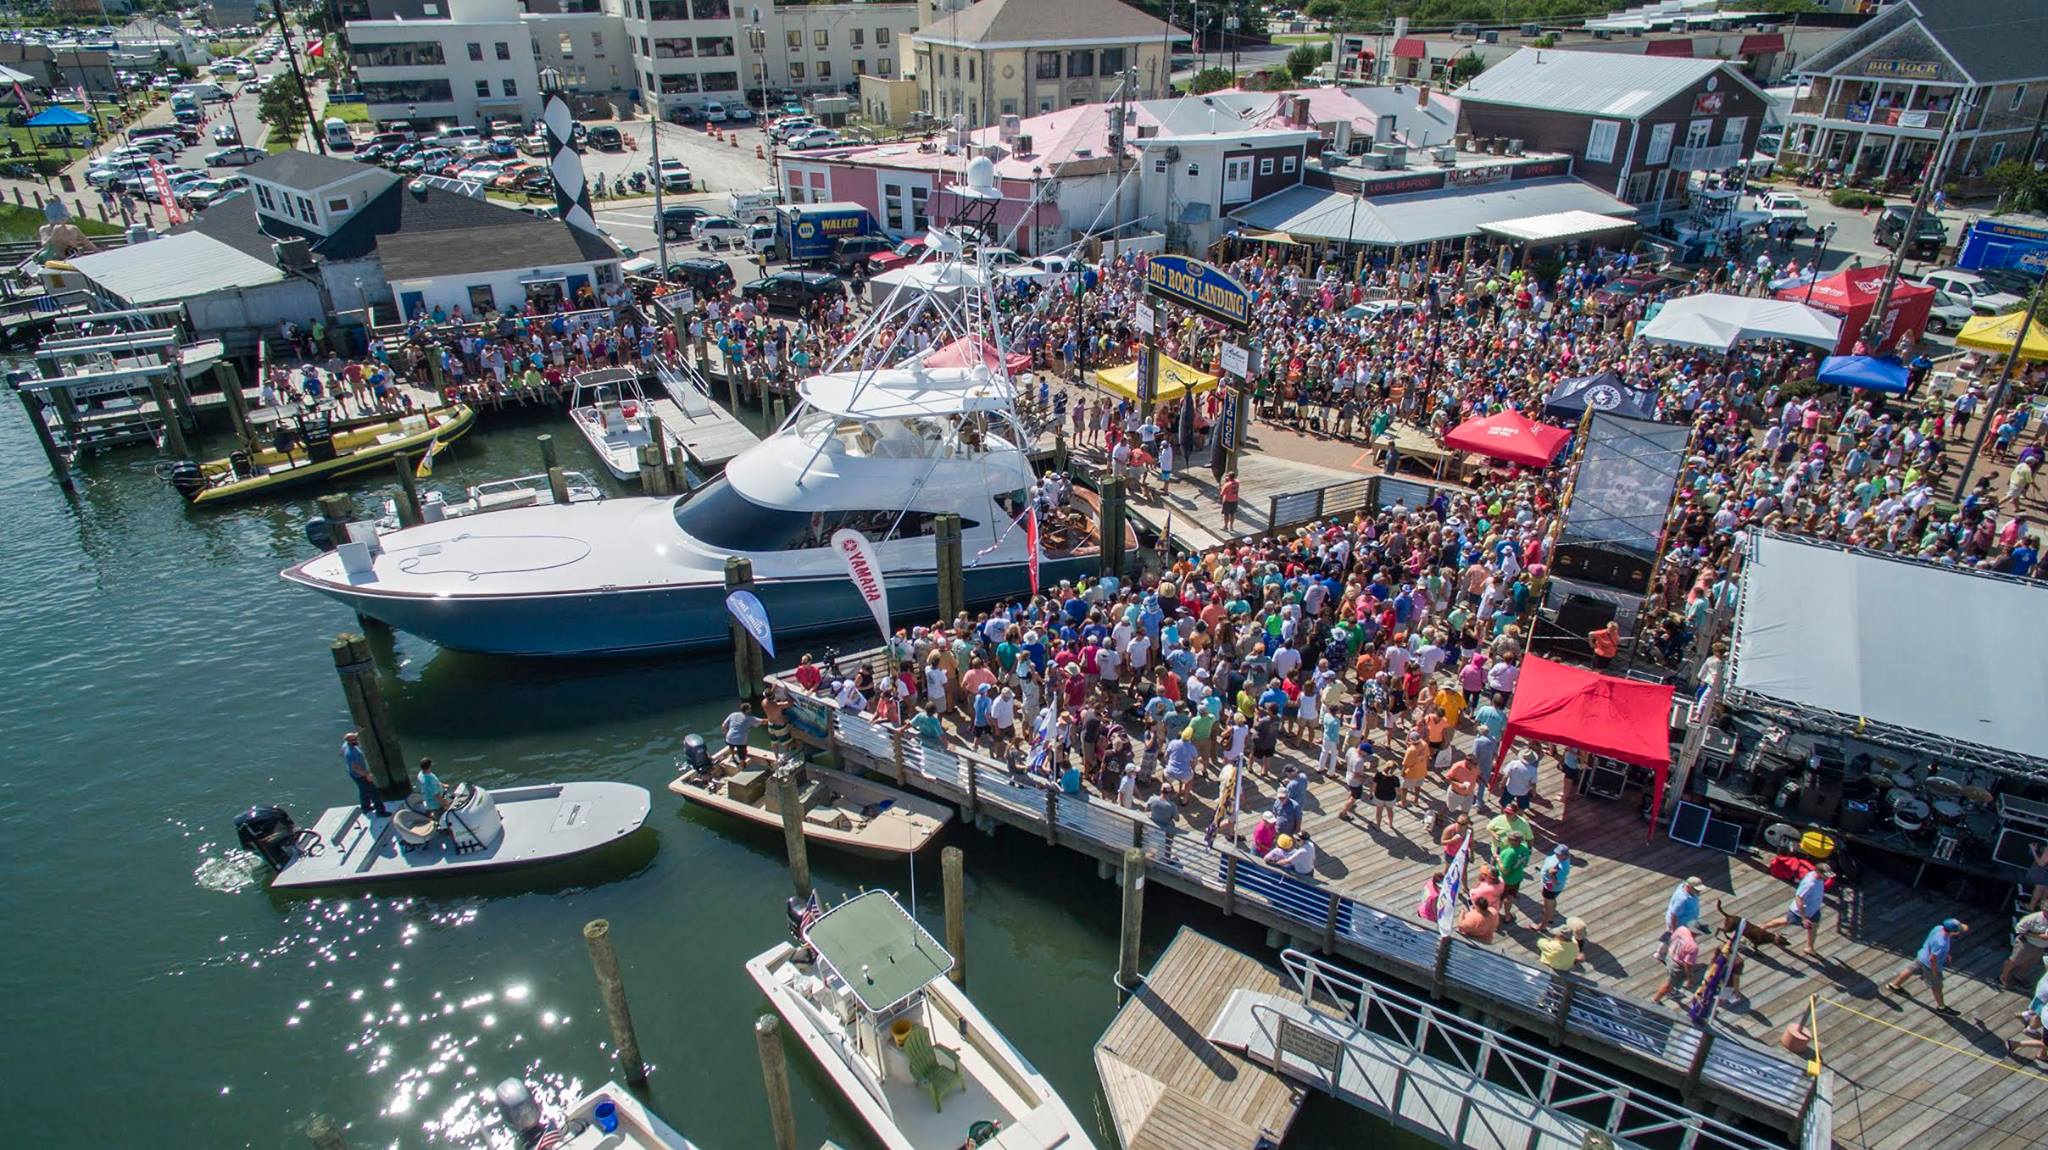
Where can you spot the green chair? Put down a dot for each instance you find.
(934, 1067)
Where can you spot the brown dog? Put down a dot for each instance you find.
(1756, 936)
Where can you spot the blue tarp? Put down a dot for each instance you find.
(1865, 371)
(57, 116)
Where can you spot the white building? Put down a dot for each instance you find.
(477, 63)
(827, 47)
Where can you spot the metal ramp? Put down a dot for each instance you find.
(1453, 1080)
(708, 433)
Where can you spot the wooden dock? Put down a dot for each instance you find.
(1904, 1077)
(1169, 1087)
(709, 434)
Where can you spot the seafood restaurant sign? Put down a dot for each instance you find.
(861, 566)
(1200, 286)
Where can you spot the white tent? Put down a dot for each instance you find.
(1721, 321)
(946, 279)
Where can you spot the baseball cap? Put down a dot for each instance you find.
(1698, 883)
(1951, 925)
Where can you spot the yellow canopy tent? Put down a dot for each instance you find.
(1175, 380)
(1995, 333)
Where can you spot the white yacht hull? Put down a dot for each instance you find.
(1001, 1085)
(541, 823)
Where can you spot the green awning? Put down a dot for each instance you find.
(878, 950)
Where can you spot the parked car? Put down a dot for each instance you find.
(793, 289)
(719, 231)
(761, 238)
(739, 114)
(225, 133)
(235, 157)
(1947, 314)
(537, 182)
(704, 275)
(714, 112)
(1783, 207)
(1972, 289)
(671, 174)
(534, 145)
(113, 172)
(687, 114)
(503, 147)
(206, 193)
(677, 222)
(904, 253)
(791, 125)
(606, 138)
(815, 138)
(2017, 282)
(1928, 238)
(855, 251)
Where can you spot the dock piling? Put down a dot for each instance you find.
(747, 665)
(952, 577)
(1111, 529)
(372, 716)
(604, 959)
(793, 828)
(558, 486)
(1690, 1087)
(325, 1133)
(775, 1076)
(408, 491)
(33, 403)
(237, 403)
(174, 427)
(952, 868)
(548, 462)
(1133, 918)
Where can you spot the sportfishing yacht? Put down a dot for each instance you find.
(884, 451)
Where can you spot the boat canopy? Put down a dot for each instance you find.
(907, 393)
(878, 950)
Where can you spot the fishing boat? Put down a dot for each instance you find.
(607, 1118)
(308, 447)
(479, 830)
(840, 810)
(865, 988)
(496, 495)
(610, 412)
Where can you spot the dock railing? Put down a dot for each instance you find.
(1566, 1008)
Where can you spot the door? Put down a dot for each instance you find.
(1237, 180)
(412, 303)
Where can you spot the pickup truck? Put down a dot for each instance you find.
(1783, 208)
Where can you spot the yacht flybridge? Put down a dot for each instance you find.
(883, 451)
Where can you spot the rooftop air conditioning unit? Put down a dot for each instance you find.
(1603, 34)
(990, 151)
(1147, 131)
(1007, 131)
(1396, 154)
(1490, 36)
(1467, 30)
(293, 255)
(1377, 161)
(1532, 30)
(1514, 147)
(1448, 157)
(1022, 143)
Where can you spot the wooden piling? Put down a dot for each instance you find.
(408, 491)
(372, 717)
(793, 827)
(951, 576)
(604, 959)
(775, 1076)
(558, 486)
(548, 462)
(338, 510)
(1111, 525)
(325, 1133)
(1442, 965)
(952, 868)
(1561, 1016)
(747, 662)
(1133, 918)
(1698, 1066)
(1059, 451)
(174, 428)
(652, 480)
(238, 404)
(32, 402)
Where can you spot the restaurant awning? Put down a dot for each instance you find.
(1411, 48)
(1554, 226)
(1175, 380)
(1679, 47)
(1762, 44)
(1323, 215)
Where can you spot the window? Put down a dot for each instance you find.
(510, 85)
(920, 209)
(407, 91)
(1287, 165)
(1660, 144)
(882, 37)
(640, 9)
(674, 48)
(1194, 170)
(714, 45)
(306, 209)
(1044, 105)
(1997, 154)
(860, 68)
(721, 81)
(504, 50)
(1112, 61)
(796, 71)
(668, 9)
(794, 38)
(1048, 65)
(680, 83)
(1732, 129)
(1600, 141)
(970, 69)
(1266, 165)
(1009, 107)
(1698, 132)
(568, 46)
(476, 51)
(2019, 96)
(721, 517)
(483, 89)
(822, 38)
(263, 197)
(885, 67)
(481, 299)
(956, 65)
(414, 54)
(1081, 63)
(824, 71)
(597, 43)
(1159, 167)
(857, 37)
(338, 205)
(710, 10)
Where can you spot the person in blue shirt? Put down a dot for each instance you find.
(433, 793)
(1682, 910)
(358, 766)
(1932, 960)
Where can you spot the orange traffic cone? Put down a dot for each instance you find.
(733, 140)
(758, 153)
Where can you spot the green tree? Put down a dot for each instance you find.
(1306, 59)
(1465, 68)
(1210, 80)
(1324, 9)
(282, 107)
(2021, 186)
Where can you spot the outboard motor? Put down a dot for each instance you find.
(269, 832)
(521, 1113)
(244, 466)
(187, 479)
(696, 756)
(321, 532)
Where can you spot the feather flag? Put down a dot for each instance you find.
(426, 466)
(1701, 1008)
(1452, 886)
(1031, 546)
(23, 97)
(319, 48)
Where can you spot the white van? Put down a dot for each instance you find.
(460, 134)
(753, 207)
(337, 134)
(202, 90)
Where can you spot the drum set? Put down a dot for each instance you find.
(1928, 805)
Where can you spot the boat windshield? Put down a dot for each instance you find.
(721, 518)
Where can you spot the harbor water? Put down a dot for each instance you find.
(158, 677)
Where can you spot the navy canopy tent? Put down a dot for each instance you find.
(1872, 373)
(58, 116)
(1603, 392)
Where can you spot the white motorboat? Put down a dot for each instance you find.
(496, 495)
(609, 410)
(607, 1118)
(480, 830)
(845, 811)
(866, 990)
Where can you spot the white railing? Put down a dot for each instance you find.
(1707, 158)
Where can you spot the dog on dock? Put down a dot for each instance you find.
(1756, 936)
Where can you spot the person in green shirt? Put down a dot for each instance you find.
(1201, 731)
(1006, 654)
(1514, 863)
(929, 730)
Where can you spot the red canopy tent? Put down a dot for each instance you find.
(1511, 436)
(1852, 294)
(961, 352)
(1620, 719)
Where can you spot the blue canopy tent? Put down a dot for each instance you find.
(1606, 391)
(1872, 373)
(58, 116)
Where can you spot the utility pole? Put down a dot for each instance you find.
(654, 153)
(1929, 180)
(291, 57)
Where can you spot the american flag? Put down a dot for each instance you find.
(1041, 739)
(1701, 1008)
(1453, 885)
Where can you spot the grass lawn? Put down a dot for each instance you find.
(1302, 38)
(19, 224)
(347, 113)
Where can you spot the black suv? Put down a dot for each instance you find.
(705, 276)
(1928, 238)
(853, 252)
(794, 289)
(676, 222)
(606, 138)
